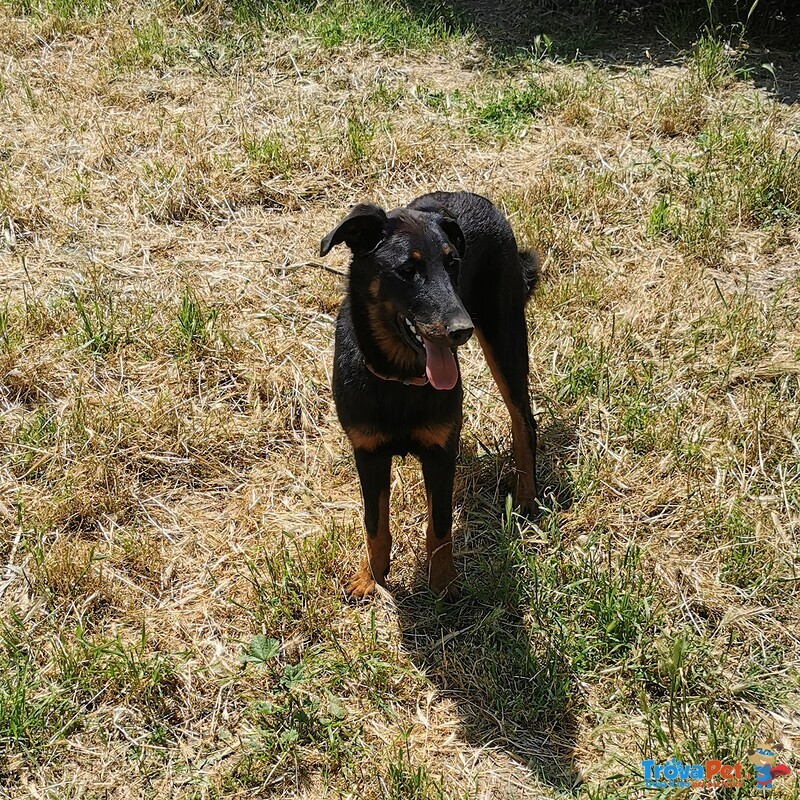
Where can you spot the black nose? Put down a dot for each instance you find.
(459, 330)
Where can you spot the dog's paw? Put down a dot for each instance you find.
(530, 509)
(443, 578)
(361, 585)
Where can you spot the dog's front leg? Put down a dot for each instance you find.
(374, 471)
(439, 469)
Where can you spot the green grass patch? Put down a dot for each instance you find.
(737, 174)
(713, 62)
(269, 152)
(391, 26)
(509, 111)
(63, 9)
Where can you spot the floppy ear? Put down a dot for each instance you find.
(361, 230)
(453, 232)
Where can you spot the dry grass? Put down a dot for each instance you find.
(180, 505)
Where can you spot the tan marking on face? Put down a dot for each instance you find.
(364, 438)
(446, 250)
(433, 435)
(397, 350)
(416, 255)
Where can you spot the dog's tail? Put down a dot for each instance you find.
(531, 270)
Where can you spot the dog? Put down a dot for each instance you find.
(423, 278)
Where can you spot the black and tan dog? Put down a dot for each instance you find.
(422, 278)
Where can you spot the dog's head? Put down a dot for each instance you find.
(406, 266)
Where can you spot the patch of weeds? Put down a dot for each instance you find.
(300, 724)
(537, 220)
(638, 417)
(404, 780)
(680, 675)
(438, 100)
(688, 444)
(736, 332)
(196, 187)
(385, 97)
(359, 136)
(746, 562)
(40, 707)
(765, 177)
(577, 98)
(739, 174)
(704, 729)
(270, 152)
(509, 111)
(154, 46)
(577, 197)
(63, 9)
(603, 606)
(97, 321)
(699, 227)
(68, 571)
(79, 194)
(681, 110)
(390, 26)
(713, 62)
(661, 219)
(197, 325)
(582, 373)
(766, 677)
(6, 340)
(34, 714)
(110, 670)
(285, 581)
(30, 98)
(141, 554)
(32, 439)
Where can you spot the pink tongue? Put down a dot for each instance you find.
(440, 366)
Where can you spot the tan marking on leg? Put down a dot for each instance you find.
(524, 458)
(442, 574)
(376, 565)
(375, 288)
(524, 463)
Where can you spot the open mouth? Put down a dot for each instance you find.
(411, 333)
(440, 364)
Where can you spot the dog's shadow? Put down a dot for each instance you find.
(490, 652)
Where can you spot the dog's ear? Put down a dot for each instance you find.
(361, 230)
(453, 232)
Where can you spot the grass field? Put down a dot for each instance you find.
(179, 506)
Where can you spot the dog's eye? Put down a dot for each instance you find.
(409, 269)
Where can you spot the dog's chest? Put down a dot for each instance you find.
(377, 413)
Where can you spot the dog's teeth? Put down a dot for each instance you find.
(419, 338)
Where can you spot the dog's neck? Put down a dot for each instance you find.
(385, 353)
